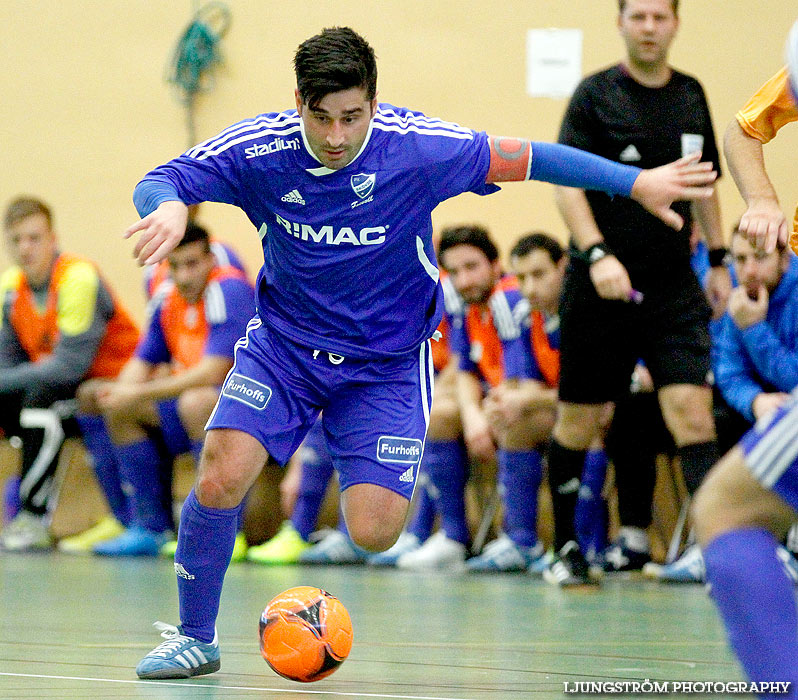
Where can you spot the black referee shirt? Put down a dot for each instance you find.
(614, 116)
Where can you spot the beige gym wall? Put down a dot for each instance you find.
(85, 110)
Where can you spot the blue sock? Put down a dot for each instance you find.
(140, 467)
(423, 518)
(11, 501)
(757, 603)
(204, 547)
(520, 474)
(590, 516)
(445, 462)
(312, 488)
(106, 468)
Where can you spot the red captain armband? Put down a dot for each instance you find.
(510, 159)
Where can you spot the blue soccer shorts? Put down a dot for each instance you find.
(375, 412)
(771, 451)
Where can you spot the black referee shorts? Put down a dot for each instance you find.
(601, 340)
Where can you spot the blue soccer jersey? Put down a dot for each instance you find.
(182, 333)
(540, 359)
(487, 338)
(349, 265)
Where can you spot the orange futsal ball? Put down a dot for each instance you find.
(305, 634)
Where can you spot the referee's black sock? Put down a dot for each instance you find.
(697, 459)
(565, 472)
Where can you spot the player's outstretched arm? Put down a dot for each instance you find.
(514, 159)
(160, 232)
(687, 178)
(763, 222)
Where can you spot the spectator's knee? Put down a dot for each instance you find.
(194, 407)
(577, 427)
(689, 416)
(444, 421)
(533, 429)
(86, 395)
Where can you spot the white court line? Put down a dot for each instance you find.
(157, 684)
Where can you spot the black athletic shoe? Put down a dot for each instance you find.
(569, 568)
(618, 557)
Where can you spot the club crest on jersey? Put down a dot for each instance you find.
(363, 184)
(398, 449)
(247, 391)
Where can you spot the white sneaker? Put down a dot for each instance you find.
(505, 555)
(689, 568)
(179, 656)
(437, 553)
(25, 533)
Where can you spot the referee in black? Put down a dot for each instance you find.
(629, 292)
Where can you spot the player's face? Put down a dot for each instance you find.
(472, 274)
(648, 28)
(32, 245)
(337, 126)
(755, 268)
(540, 279)
(190, 266)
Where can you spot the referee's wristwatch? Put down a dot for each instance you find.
(596, 252)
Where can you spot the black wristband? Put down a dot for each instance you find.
(596, 252)
(717, 257)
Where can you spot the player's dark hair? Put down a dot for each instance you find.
(537, 240)
(674, 5)
(337, 59)
(473, 235)
(23, 207)
(195, 233)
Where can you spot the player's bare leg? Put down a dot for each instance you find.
(374, 515)
(231, 461)
(739, 524)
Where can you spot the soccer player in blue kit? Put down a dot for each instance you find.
(341, 191)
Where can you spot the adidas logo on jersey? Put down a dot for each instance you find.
(407, 475)
(630, 153)
(294, 197)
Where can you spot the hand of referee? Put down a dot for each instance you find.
(611, 279)
(687, 178)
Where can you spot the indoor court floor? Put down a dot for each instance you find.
(74, 627)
